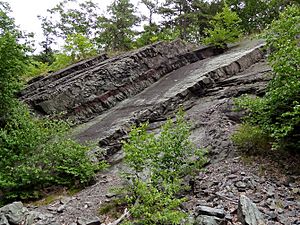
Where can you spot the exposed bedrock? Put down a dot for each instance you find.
(204, 88)
(85, 90)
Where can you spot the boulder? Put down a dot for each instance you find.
(248, 213)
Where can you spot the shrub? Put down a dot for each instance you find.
(224, 28)
(35, 154)
(251, 139)
(158, 163)
(278, 113)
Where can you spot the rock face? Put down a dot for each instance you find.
(187, 86)
(206, 89)
(89, 88)
(248, 212)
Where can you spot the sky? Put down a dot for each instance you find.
(25, 12)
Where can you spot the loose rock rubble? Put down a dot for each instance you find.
(16, 213)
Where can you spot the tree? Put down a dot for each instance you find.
(224, 28)
(152, 6)
(79, 47)
(188, 18)
(201, 13)
(13, 60)
(257, 14)
(117, 29)
(176, 14)
(158, 163)
(81, 19)
(34, 152)
(277, 114)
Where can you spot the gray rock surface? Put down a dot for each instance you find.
(187, 86)
(88, 91)
(209, 220)
(208, 211)
(248, 212)
(16, 214)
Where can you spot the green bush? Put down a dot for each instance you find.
(278, 113)
(158, 163)
(35, 154)
(251, 139)
(224, 28)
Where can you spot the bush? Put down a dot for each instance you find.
(251, 139)
(158, 163)
(224, 28)
(278, 113)
(35, 154)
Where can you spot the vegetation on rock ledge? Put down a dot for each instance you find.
(277, 114)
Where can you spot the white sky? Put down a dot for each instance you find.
(25, 12)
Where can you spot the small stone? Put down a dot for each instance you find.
(3, 220)
(243, 174)
(209, 220)
(61, 208)
(280, 210)
(241, 186)
(290, 198)
(232, 176)
(110, 195)
(272, 216)
(65, 200)
(296, 190)
(85, 221)
(52, 208)
(14, 212)
(204, 210)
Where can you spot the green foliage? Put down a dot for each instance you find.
(158, 163)
(225, 28)
(257, 15)
(76, 48)
(35, 154)
(79, 47)
(117, 29)
(35, 68)
(13, 60)
(71, 18)
(278, 112)
(251, 139)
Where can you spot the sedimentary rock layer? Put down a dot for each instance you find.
(85, 90)
(163, 98)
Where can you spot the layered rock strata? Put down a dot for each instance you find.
(86, 90)
(162, 99)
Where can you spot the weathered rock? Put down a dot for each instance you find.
(204, 210)
(83, 93)
(14, 213)
(85, 221)
(209, 220)
(248, 212)
(3, 220)
(61, 208)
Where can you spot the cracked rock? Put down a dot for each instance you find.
(248, 213)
